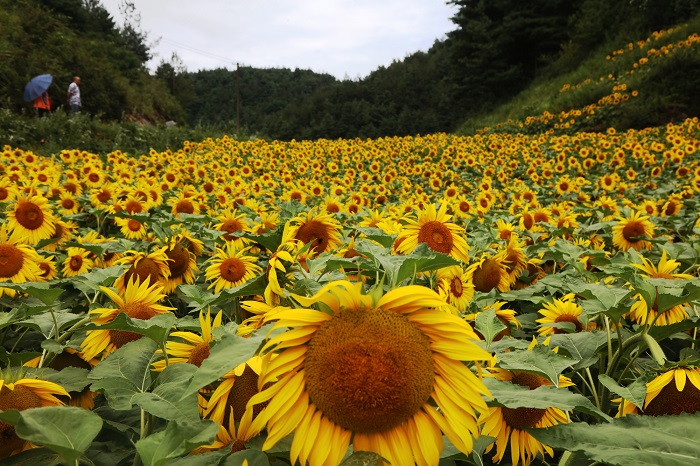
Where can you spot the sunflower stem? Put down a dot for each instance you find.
(74, 327)
(607, 331)
(593, 389)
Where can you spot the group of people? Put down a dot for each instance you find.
(43, 103)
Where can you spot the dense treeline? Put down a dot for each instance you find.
(497, 49)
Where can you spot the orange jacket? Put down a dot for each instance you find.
(43, 101)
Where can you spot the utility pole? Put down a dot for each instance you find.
(238, 99)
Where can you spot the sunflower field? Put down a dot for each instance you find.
(503, 298)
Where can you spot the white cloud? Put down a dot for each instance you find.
(340, 37)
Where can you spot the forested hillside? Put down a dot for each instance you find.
(505, 58)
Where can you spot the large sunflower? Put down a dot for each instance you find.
(434, 229)
(366, 370)
(230, 267)
(321, 230)
(631, 232)
(31, 218)
(508, 425)
(139, 300)
(640, 311)
(20, 395)
(673, 392)
(19, 263)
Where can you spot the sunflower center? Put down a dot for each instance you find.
(76, 262)
(521, 418)
(487, 276)
(232, 269)
(145, 269)
(67, 203)
(11, 260)
(184, 207)
(437, 236)
(671, 401)
(230, 227)
(179, 260)
(632, 231)
(244, 387)
(136, 311)
(456, 287)
(314, 232)
(567, 318)
(369, 370)
(133, 225)
(29, 215)
(199, 354)
(133, 207)
(20, 398)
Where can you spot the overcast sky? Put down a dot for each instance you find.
(345, 38)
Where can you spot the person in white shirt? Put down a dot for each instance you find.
(74, 95)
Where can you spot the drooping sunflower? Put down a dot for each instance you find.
(231, 437)
(182, 263)
(433, 228)
(31, 219)
(278, 271)
(20, 394)
(673, 392)
(366, 369)
(231, 266)
(152, 267)
(321, 230)
(232, 395)
(640, 311)
(560, 310)
(195, 348)
(514, 258)
(19, 263)
(490, 272)
(47, 266)
(630, 232)
(71, 358)
(139, 301)
(77, 262)
(508, 425)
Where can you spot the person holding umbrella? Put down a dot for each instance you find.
(36, 90)
(74, 95)
(42, 104)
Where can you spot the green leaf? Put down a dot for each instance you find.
(73, 379)
(176, 440)
(213, 458)
(166, 400)
(363, 458)
(540, 360)
(635, 393)
(44, 292)
(124, 373)
(225, 355)
(489, 325)
(422, 259)
(9, 317)
(67, 430)
(271, 240)
(156, 328)
(638, 440)
(44, 322)
(254, 458)
(92, 281)
(378, 235)
(583, 346)
(195, 295)
(515, 396)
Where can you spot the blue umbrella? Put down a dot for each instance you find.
(37, 86)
